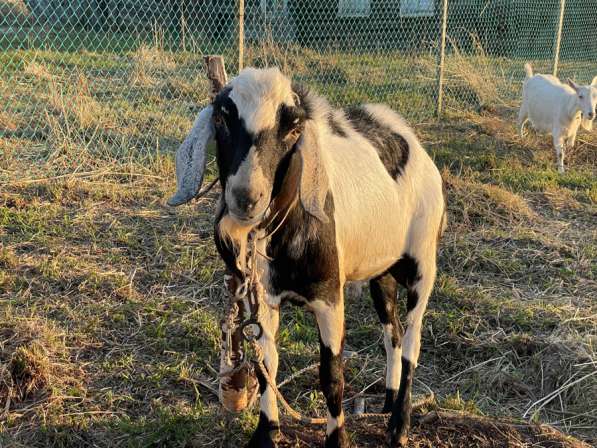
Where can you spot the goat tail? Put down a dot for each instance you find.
(528, 69)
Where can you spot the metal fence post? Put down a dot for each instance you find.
(241, 34)
(441, 59)
(556, 55)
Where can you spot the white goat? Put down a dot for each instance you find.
(552, 106)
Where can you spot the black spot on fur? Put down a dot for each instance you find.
(331, 376)
(406, 272)
(384, 290)
(232, 139)
(335, 126)
(412, 298)
(302, 93)
(304, 255)
(400, 419)
(392, 148)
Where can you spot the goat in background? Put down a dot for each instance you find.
(552, 106)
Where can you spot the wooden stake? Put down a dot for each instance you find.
(216, 73)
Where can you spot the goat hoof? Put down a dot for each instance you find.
(261, 442)
(397, 440)
(264, 439)
(337, 439)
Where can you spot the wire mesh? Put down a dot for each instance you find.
(132, 70)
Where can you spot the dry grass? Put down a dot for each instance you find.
(8, 123)
(149, 65)
(440, 429)
(35, 364)
(37, 71)
(479, 72)
(474, 202)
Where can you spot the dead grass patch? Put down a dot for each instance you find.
(442, 429)
(473, 202)
(38, 71)
(149, 64)
(560, 198)
(74, 119)
(8, 123)
(34, 361)
(479, 73)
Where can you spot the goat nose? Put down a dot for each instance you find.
(246, 201)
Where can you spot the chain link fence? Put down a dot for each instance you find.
(132, 70)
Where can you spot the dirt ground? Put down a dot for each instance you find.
(438, 429)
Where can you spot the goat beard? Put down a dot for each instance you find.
(236, 235)
(586, 124)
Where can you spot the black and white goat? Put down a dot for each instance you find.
(362, 200)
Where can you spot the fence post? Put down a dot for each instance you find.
(441, 59)
(216, 73)
(556, 55)
(241, 34)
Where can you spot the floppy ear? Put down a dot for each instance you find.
(314, 183)
(191, 158)
(594, 82)
(572, 84)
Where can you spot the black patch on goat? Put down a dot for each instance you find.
(331, 376)
(384, 290)
(400, 419)
(293, 249)
(233, 142)
(335, 126)
(392, 148)
(302, 94)
(406, 272)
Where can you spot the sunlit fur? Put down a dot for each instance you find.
(258, 95)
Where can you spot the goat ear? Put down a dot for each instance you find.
(594, 82)
(572, 84)
(314, 184)
(191, 158)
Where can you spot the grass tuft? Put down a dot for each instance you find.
(35, 361)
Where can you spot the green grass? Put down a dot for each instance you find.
(126, 293)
